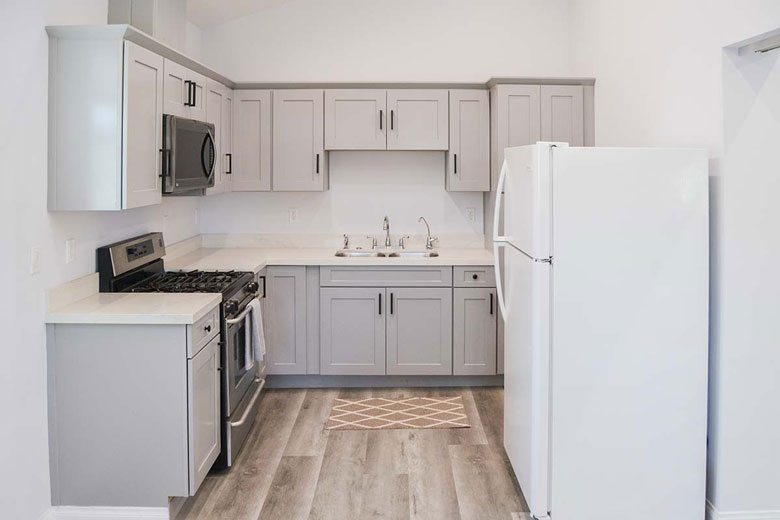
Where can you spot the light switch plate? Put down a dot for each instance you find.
(70, 250)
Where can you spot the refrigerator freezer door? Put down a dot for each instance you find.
(526, 376)
(630, 329)
(527, 198)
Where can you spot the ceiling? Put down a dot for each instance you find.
(205, 13)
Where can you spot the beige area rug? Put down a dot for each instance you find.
(377, 413)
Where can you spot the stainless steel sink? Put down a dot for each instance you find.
(359, 253)
(414, 254)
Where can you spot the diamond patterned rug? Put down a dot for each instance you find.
(377, 413)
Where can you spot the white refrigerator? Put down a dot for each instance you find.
(605, 300)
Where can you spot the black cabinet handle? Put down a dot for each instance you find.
(318, 164)
(380, 304)
(194, 94)
(380, 119)
(391, 303)
(207, 328)
(456, 164)
(474, 276)
(392, 116)
(188, 103)
(263, 279)
(230, 163)
(491, 304)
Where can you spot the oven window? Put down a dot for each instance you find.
(189, 146)
(239, 352)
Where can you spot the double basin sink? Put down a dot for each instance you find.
(386, 254)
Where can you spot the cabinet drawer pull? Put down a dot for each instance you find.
(194, 93)
(188, 103)
(392, 117)
(318, 164)
(456, 164)
(474, 276)
(380, 119)
(380, 304)
(491, 304)
(391, 303)
(230, 163)
(207, 328)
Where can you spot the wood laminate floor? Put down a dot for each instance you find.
(292, 468)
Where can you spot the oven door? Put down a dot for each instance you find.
(237, 378)
(189, 155)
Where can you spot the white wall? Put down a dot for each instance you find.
(24, 479)
(375, 40)
(658, 69)
(364, 187)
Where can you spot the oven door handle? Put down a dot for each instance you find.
(251, 405)
(241, 316)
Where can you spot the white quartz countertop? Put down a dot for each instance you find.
(137, 308)
(254, 259)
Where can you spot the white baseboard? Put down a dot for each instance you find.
(105, 513)
(714, 514)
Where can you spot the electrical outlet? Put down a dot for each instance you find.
(70, 250)
(35, 260)
(293, 214)
(471, 214)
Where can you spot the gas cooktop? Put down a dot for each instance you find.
(192, 281)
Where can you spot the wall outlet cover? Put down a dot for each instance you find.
(293, 214)
(70, 250)
(471, 214)
(35, 260)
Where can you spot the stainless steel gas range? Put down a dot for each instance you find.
(136, 265)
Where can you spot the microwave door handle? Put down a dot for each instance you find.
(208, 168)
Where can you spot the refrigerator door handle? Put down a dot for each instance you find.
(499, 199)
(499, 286)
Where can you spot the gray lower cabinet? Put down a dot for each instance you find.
(286, 319)
(203, 411)
(419, 331)
(474, 322)
(352, 331)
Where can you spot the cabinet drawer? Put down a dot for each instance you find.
(406, 276)
(474, 276)
(200, 333)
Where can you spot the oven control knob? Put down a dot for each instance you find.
(231, 307)
(252, 287)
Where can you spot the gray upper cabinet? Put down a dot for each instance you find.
(250, 163)
(299, 161)
(468, 158)
(419, 331)
(286, 319)
(204, 410)
(418, 119)
(184, 92)
(355, 119)
(352, 330)
(474, 322)
(515, 120)
(226, 141)
(562, 114)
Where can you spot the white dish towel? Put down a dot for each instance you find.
(255, 335)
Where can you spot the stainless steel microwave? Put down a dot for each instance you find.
(188, 156)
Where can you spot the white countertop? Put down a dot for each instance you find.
(137, 308)
(255, 259)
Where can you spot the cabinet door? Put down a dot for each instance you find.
(142, 127)
(474, 331)
(562, 114)
(286, 319)
(418, 119)
(215, 99)
(352, 331)
(203, 412)
(468, 158)
(419, 331)
(355, 119)
(252, 146)
(226, 141)
(197, 108)
(176, 89)
(299, 154)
